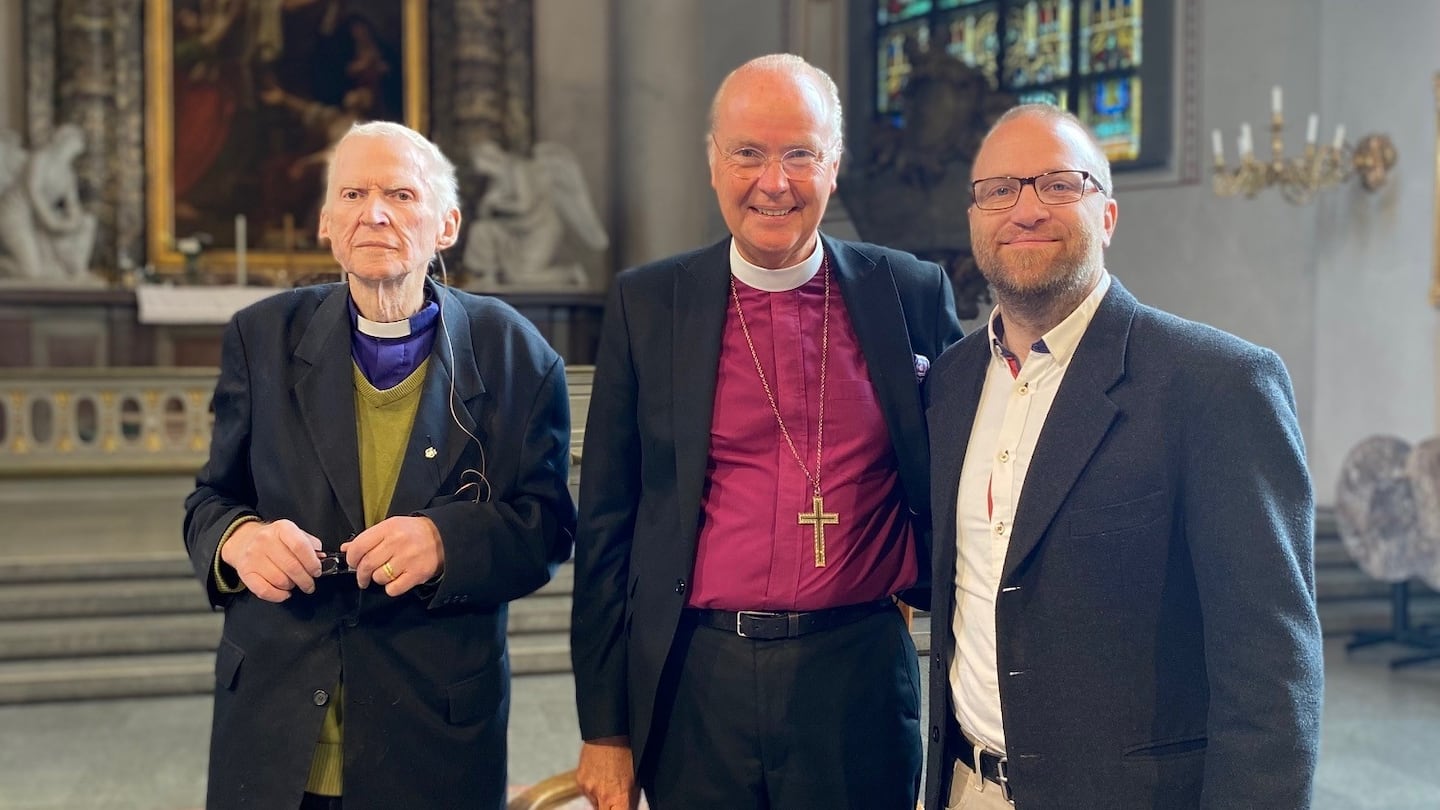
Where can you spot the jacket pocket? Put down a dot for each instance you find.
(227, 663)
(478, 696)
(1118, 517)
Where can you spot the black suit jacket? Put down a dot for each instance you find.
(1158, 645)
(426, 676)
(647, 443)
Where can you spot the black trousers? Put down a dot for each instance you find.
(828, 721)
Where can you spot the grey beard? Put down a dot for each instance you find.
(1050, 302)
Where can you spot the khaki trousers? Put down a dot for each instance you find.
(964, 796)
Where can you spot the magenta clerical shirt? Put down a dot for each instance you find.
(753, 552)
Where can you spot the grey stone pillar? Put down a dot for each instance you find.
(661, 99)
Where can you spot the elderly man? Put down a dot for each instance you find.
(1124, 604)
(755, 491)
(387, 471)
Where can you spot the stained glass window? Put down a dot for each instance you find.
(1085, 55)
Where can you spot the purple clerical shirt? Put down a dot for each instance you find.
(386, 361)
(754, 554)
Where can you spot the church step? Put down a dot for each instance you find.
(91, 636)
(543, 611)
(1352, 583)
(1331, 553)
(121, 597)
(182, 673)
(91, 568)
(152, 566)
(106, 677)
(113, 635)
(1346, 617)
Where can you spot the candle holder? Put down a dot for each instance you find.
(1318, 168)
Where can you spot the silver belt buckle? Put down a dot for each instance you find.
(1002, 778)
(759, 614)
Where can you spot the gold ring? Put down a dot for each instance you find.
(390, 572)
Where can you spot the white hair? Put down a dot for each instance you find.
(437, 172)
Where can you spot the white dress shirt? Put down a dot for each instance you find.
(1008, 421)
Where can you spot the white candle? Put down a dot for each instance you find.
(1245, 142)
(1312, 129)
(240, 249)
(1218, 143)
(1275, 99)
(1339, 137)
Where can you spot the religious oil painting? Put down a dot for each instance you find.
(245, 100)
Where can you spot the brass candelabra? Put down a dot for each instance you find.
(1299, 179)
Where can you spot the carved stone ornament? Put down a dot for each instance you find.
(46, 235)
(913, 191)
(1375, 508)
(529, 206)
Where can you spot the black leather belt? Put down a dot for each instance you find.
(767, 625)
(991, 767)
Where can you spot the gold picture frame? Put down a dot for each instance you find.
(255, 122)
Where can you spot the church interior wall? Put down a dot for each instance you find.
(1375, 331)
(1242, 265)
(1337, 287)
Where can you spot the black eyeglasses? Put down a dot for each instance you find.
(1051, 188)
(331, 564)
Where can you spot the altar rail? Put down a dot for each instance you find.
(139, 420)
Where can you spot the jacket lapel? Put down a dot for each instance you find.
(955, 398)
(701, 292)
(873, 304)
(436, 444)
(324, 392)
(1078, 421)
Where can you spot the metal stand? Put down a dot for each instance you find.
(1400, 632)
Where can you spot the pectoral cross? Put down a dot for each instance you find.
(818, 519)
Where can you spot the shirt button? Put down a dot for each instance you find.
(1024, 389)
(320, 698)
(999, 528)
(679, 586)
(352, 621)
(1004, 456)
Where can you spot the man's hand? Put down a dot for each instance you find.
(273, 559)
(409, 546)
(607, 774)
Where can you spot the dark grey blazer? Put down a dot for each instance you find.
(647, 442)
(426, 675)
(1157, 635)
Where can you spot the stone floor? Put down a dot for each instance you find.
(1381, 731)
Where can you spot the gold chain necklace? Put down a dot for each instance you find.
(817, 518)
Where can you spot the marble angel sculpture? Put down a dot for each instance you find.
(45, 234)
(522, 220)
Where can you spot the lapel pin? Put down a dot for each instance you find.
(431, 452)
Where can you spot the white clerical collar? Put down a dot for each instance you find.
(396, 329)
(782, 280)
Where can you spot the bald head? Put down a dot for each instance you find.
(1067, 126)
(785, 68)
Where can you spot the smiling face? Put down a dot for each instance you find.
(1037, 250)
(773, 218)
(380, 215)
